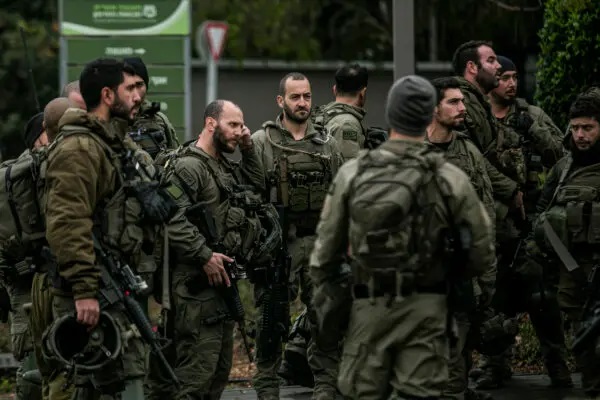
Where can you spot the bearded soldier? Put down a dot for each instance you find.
(300, 162)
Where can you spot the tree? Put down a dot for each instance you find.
(265, 28)
(38, 19)
(570, 50)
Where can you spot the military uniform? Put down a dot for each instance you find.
(542, 145)
(396, 289)
(299, 173)
(345, 123)
(461, 152)
(227, 192)
(570, 187)
(152, 130)
(85, 195)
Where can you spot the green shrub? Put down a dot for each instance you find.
(569, 54)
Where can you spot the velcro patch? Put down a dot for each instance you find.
(174, 191)
(350, 135)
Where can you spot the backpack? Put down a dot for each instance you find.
(393, 213)
(22, 223)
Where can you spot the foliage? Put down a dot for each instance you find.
(570, 50)
(265, 28)
(38, 20)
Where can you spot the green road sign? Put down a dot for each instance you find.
(162, 79)
(124, 17)
(173, 106)
(152, 51)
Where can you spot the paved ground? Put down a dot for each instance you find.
(521, 387)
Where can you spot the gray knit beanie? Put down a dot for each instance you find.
(410, 104)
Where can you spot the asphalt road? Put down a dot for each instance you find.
(520, 387)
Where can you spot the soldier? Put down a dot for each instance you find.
(478, 66)
(520, 283)
(53, 380)
(458, 149)
(389, 210)
(89, 166)
(151, 129)
(72, 92)
(16, 277)
(566, 231)
(300, 161)
(343, 118)
(219, 220)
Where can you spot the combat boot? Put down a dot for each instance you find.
(471, 394)
(492, 378)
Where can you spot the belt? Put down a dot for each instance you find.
(361, 290)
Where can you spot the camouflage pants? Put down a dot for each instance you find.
(53, 379)
(571, 296)
(323, 362)
(125, 374)
(265, 381)
(203, 340)
(20, 335)
(395, 348)
(457, 368)
(522, 287)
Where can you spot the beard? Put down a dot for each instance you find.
(221, 143)
(120, 110)
(295, 116)
(453, 124)
(506, 100)
(486, 80)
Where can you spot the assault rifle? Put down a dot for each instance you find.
(120, 284)
(276, 310)
(201, 217)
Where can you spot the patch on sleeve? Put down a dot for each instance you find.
(174, 191)
(186, 176)
(350, 135)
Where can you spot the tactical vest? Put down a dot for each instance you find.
(148, 131)
(22, 224)
(117, 218)
(392, 210)
(245, 226)
(574, 212)
(300, 179)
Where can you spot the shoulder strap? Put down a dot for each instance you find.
(561, 180)
(279, 146)
(11, 200)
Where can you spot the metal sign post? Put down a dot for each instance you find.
(212, 35)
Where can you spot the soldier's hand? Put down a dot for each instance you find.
(245, 139)
(215, 270)
(88, 311)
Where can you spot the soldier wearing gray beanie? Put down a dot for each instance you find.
(410, 104)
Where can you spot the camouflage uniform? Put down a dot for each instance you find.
(152, 130)
(311, 165)
(203, 331)
(389, 308)
(565, 193)
(461, 152)
(85, 194)
(345, 123)
(517, 286)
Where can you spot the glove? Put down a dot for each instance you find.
(157, 205)
(522, 123)
(5, 306)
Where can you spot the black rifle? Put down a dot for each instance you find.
(275, 303)
(201, 217)
(120, 284)
(590, 328)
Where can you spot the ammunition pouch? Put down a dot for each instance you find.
(69, 342)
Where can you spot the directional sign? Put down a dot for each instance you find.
(168, 80)
(124, 17)
(216, 32)
(157, 31)
(169, 50)
(174, 108)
